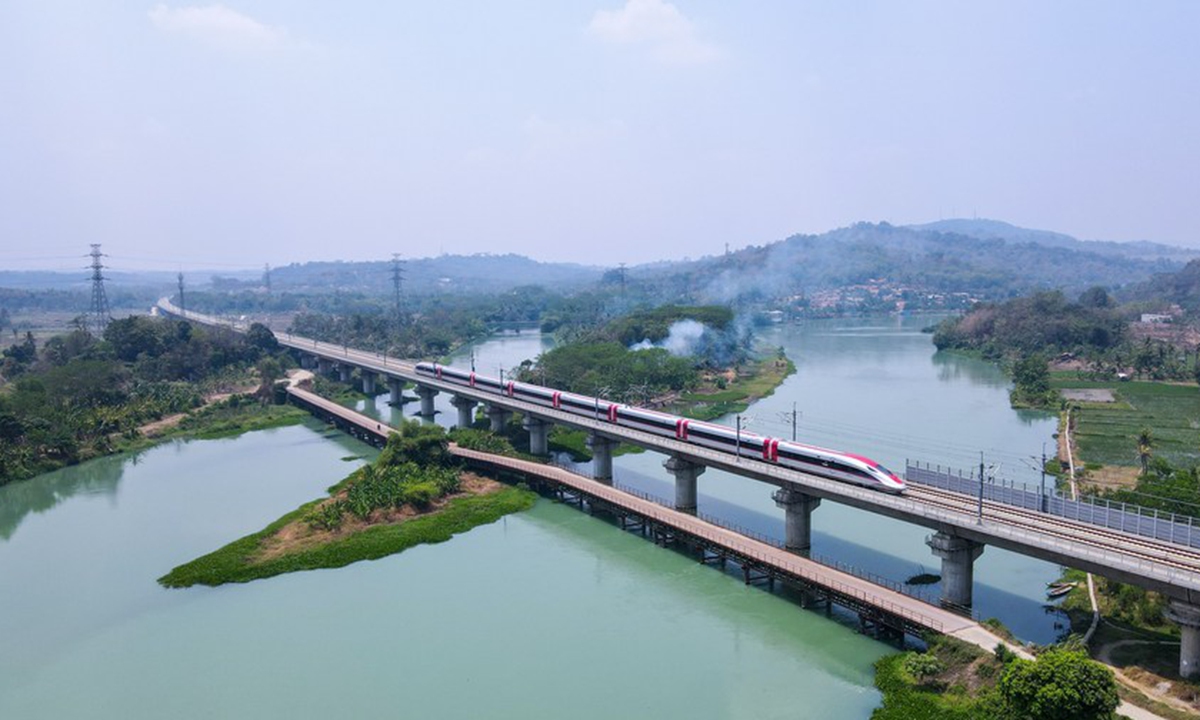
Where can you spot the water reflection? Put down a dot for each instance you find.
(876, 387)
(19, 499)
(953, 367)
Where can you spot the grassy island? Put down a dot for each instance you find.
(414, 493)
(697, 361)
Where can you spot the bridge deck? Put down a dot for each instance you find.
(784, 564)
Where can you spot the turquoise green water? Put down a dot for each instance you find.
(874, 386)
(546, 614)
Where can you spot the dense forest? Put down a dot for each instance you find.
(1045, 322)
(77, 395)
(1093, 332)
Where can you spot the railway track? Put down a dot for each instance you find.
(1179, 556)
(1132, 558)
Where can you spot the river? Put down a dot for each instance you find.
(544, 614)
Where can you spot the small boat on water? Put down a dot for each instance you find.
(1060, 589)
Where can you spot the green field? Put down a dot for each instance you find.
(1107, 433)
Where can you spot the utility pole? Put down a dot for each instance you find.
(737, 455)
(793, 415)
(100, 315)
(1043, 496)
(980, 521)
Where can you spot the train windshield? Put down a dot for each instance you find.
(885, 471)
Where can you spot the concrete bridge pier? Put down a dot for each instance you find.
(958, 565)
(395, 390)
(797, 522)
(539, 435)
(344, 371)
(306, 360)
(368, 379)
(602, 450)
(1188, 617)
(324, 366)
(466, 410)
(498, 417)
(685, 473)
(426, 394)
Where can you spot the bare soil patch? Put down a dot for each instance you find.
(297, 536)
(1110, 477)
(1095, 395)
(1175, 693)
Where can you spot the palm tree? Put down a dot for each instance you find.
(1145, 444)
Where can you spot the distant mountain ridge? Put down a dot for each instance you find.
(444, 273)
(987, 229)
(985, 258)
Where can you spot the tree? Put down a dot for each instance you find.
(1095, 297)
(269, 370)
(1145, 446)
(261, 337)
(134, 336)
(1032, 375)
(1060, 685)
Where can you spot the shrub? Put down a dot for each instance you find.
(327, 516)
(923, 666)
(1060, 685)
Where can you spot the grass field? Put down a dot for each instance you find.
(1106, 433)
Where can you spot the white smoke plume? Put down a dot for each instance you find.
(683, 339)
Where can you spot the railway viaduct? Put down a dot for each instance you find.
(962, 526)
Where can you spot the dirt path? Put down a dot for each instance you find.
(1103, 654)
(158, 427)
(1159, 691)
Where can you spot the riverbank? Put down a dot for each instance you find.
(290, 544)
(223, 414)
(414, 493)
(733, 390)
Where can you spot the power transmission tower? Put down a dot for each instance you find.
(267, 277)
(398, 284)
(182, 304)
(621, 270)
(99, 315)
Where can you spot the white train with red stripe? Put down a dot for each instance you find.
(833, 464)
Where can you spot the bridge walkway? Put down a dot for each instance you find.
(885, 606)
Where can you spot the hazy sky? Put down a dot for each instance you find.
(273, 131)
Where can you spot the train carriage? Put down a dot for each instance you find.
(846, 467)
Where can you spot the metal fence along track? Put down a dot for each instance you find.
(1168, 527)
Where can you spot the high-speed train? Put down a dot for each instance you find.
(833, 464)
